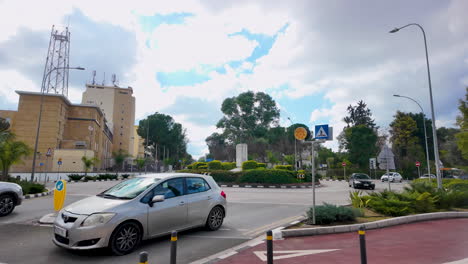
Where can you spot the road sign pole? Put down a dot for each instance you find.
(313, 184)
(419, 174)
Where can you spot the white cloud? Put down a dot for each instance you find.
(12, 81)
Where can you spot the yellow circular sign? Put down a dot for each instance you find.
(300, 133)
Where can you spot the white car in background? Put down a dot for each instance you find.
(427, 176)
(393, 176)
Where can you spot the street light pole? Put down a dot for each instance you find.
(40, 113)
(425, 133)
(434, 131)
(295, 147)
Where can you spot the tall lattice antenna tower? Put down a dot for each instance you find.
(55, 78)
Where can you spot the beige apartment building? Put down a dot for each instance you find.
(118, 106)
(71, 131)
(138, 145)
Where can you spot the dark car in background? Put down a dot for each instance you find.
(361, 180)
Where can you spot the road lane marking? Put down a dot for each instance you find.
(461, 261)
(227, 255)
(290, 253)
(264, 228)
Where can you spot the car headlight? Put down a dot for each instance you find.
(357, 182)
(97, 219)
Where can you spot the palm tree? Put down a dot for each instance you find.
(11, 152)
(140, 163)
(88, 163)
(119, 158)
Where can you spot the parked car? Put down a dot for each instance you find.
(394, 177)
(427, 176)
(361, 180)
(11, 195)
(141, 208)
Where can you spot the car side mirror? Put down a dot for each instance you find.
(156, 199)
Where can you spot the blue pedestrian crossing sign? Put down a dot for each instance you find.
(321, 132)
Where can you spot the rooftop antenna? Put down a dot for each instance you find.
(114, 79)
(94, 77)
(55, 77)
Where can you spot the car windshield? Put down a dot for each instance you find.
(361, 176)
(129, 189)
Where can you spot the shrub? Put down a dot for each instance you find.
(215, 165)
(261, 165)
(90, 178)
(389, 203)
(197, 165)
(228, 165)
(203, 167)
(190, 167)
(125, 176)
(328, 213)
(218, 175)
(268, 176)
(283, 167)
(357, 200)
(112, 177)
(28, 187)
(75, 177)
(249, 165)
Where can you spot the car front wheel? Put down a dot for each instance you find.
(7, 204)
(215, 219)
(125, 238)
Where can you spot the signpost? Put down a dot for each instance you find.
(59, 163)
(418, 164)
(48, 154)
(344, 170)
(59, 194)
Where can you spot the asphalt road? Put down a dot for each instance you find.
(250, 213)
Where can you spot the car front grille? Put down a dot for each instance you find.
(62, 239)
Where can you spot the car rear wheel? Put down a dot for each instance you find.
(215, 219)
(125, 238)
(7, 204)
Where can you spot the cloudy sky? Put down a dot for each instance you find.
(184, 57)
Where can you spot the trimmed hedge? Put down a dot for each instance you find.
(249, 165)
(215, 165)
(261, 165)
(28, 187)
(268, 176)
(229, 165)
(218, 175)
(328, 213)
(75, 177)
(283, 167)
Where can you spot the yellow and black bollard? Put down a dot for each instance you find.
(362, 244)
(269, 240)
(143, 257)
(173, 247)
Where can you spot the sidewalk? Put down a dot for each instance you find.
(441, 241)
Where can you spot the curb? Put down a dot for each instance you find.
(372, 225)
(30, 196)
(269, 186)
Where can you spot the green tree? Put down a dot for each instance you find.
(164, 133)
(462, 121)
(360, 141)
(272, 157)
(289, 159)
(405, 143)
(88, 163)
(140, 163)
(11, 152)
(119, 158)
(359, 138)
(247, 116)
(359, 115)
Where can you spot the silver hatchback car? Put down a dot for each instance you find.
(11, 195)
(141, 208)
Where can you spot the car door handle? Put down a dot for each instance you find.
(209, 198)
(181, 203)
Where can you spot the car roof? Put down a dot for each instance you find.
(169, 175)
